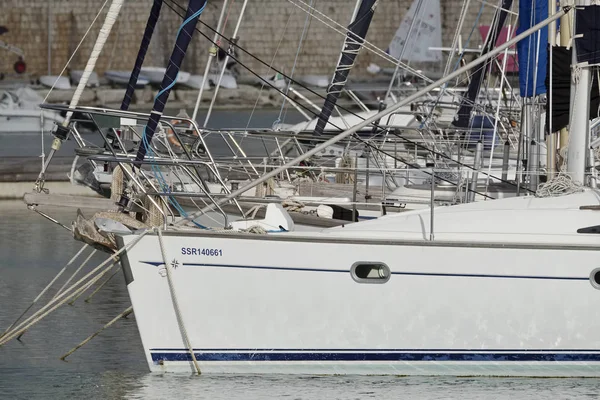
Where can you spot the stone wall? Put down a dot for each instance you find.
(270, 30)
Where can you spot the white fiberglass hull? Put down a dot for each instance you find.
(27, 121)
(156, 74)
(287, 303)
(122, 77)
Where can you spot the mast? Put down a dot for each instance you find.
(184, 36)
(135, 73)
(49, 11)
(585, 53)
(551, 135)
(463, 117)
(357, 30)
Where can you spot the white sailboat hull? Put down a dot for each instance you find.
(122, 78)
(58, 82)
(156, 74)
(288, 303)
(195, 82)
(93, 80)
(228, 81)
(27, 121)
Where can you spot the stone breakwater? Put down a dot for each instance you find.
(48, 32)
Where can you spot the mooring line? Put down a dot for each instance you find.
(182, 329)
(45, 289)
(93, 335)
(87, 299)
(91, 283)
(67, 294)
(75, 273)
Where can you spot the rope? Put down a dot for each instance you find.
(560, 185)
(44, 311)
(117, 187)
(292, 205)
(256, 229)
(124, 314)
(111, 17)
(182, 329)
(75, 273)
(87, 299)
(576, 73)
(92, 282)
(67, 295)
(46, 288)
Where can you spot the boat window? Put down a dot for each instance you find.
(589, 229)
(370, 272)
(595, 278)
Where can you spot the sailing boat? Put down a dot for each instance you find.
(20, 112)
(463, 290)
(419, 31)
(418, 39)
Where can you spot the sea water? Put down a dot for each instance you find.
(113, 366)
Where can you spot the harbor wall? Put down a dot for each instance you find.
(270, 29)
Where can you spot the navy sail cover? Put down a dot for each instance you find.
(152, 19)
(354, 40)
(587, 24)
(183, 39)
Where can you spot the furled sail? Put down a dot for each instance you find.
(152, 19)
(532, 52)
(588, 50)
(426, 33)
(357, 30)
(463, 117)
(183, 38)
(587, 23)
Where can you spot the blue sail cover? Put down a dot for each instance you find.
(354, 40)
(152, 19)
(465, 111)
(532, 12)
(184, 36)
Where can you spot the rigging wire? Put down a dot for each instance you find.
(75, 51)
(307, 22)
(232, 43)
(366, 44)
(379, 129)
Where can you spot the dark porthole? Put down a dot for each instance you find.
(370, 272)
(595, 278)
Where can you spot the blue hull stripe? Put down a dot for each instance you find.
(377, 356)
(338, 350)
(438, 274)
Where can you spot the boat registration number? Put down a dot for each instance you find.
(193, 251)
